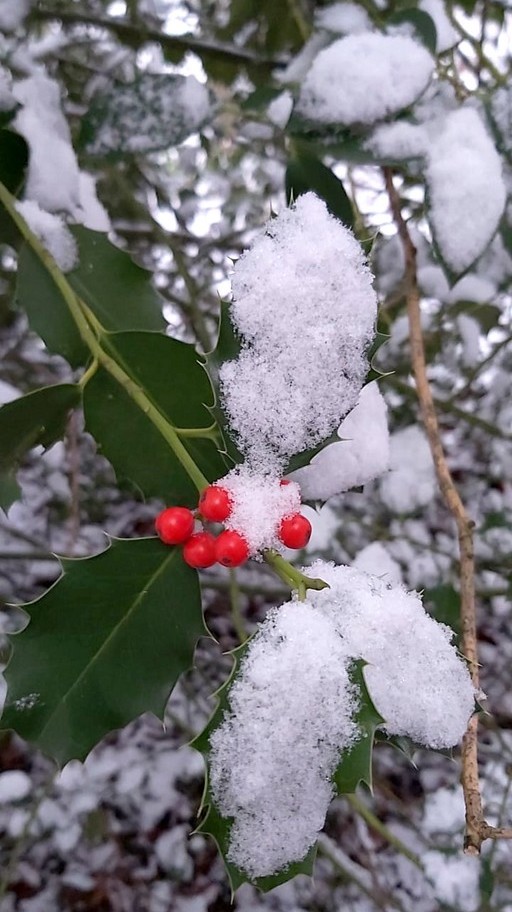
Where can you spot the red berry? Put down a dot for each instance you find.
(174, 525)
(231, 549)
(199, 550)
(295, 531)
(215, 504)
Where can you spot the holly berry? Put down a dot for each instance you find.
(231, 549)
(295, 531)
(284, 482)
(199, 550)
(174, 525)
(215, 504)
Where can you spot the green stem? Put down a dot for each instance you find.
(375, 824)
(291, 575)
(88, 374)
(89, 337)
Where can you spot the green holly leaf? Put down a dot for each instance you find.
(117, 291)
(106, 643)
(227, 348)
(155, 111)
(171, 375)
(422, 23)
(356, 763)
(306, 172)
(38, 418)
(13, 166)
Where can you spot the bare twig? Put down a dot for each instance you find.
(137, 35)
(476, 828)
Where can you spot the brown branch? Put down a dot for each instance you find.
(476, 828)
(138, 35)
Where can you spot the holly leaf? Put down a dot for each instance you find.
(227, 348)
(306, 172)
(106, 643)
(169, 372)
(13, 166)
(422, 23)
(117, 291)
(374, 373)
(356, 764)
(38, 418)
(155, 111)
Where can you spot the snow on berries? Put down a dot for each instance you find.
(292, 705)
(257, 512)
(304, 308)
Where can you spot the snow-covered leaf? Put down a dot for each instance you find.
(156, 111)
(106, 643)
(420, 21)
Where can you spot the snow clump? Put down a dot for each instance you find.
(272, 757)
(292, 705)
(466, 188)
(364, 78)
(259, 503)
(361, 455)
(305, 310)
(52, 232)
(411, 482)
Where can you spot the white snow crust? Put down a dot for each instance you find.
(398, 140)
(466, 188)
(374, 559)
(361, 455)
(260, 502)
(305, 310)
(364, 78)
(53, 172)
(343, 18)
(411, 482)
(292, 707)
(273, 755)
(12, 14)
(52, 231)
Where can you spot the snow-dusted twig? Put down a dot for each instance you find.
(477, 830)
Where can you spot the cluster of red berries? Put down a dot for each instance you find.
(175, 526)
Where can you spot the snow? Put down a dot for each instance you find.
(447, 35)
(364, 78)
(414, 675)
(291, 710)
(343, 19)
(433, 282)
(52, 232)
(501, 112)
(291, 707)
(7, 100)
(14, 786)
(12, 14)
(397, 141)
(467, 193)
(260, 502)
(361, 455)
(477, 289)
(469, 330)
(53, 175)
(279, 110)
(301, 368)
(411, 483)
(91, 213)
(376, 560)
(455, 879)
